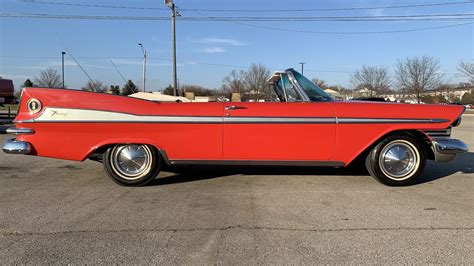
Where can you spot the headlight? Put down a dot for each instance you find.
(457, 122)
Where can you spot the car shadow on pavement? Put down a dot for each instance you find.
(195, 173)
(464, 163)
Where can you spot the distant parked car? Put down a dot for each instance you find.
(7, 92)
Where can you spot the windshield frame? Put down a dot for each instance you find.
(290, 72)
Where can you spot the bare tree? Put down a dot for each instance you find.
(467, 69)
(320, 83)
(197, 90)
(95, 86)
(375, 79)
(234, 82)
(255, 79)
(418, 74)
(48, 78)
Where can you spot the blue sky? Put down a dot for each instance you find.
(207, 51)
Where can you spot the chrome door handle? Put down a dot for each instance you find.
(233, 107)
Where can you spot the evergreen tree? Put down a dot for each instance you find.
(129, 88)
(28, 84)
(115, 89)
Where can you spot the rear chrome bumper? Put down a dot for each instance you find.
(13, 146)
(445, 149)
(20, 131)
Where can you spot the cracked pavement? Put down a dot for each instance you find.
(54, 211)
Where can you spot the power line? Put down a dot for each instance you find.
(48, 16)
(79, 65)
(256, 10)
(422, 17)
(118, 71)
(331, 9)
(95, 6)
(190, 62)
(354, 32)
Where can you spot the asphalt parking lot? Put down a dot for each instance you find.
(55, 211)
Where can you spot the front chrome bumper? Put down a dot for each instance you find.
(445, 149)
(13, 146)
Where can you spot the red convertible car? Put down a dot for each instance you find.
(134, 138)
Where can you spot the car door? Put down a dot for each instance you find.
(286, 131)
(194, 132)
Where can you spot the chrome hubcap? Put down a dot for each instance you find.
(131, 161)
(398, 160)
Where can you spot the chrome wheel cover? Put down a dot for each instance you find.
(399, 160)
(131, 161)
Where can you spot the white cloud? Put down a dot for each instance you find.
(8, 76)
(119, 61)
(213, 50)
(55, 64)
(223, 41)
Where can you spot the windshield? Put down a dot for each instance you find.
(314, 92)
(287, 89)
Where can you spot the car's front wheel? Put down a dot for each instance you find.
(396, 160)
(132, 164)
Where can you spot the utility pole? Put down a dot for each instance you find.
(62, 65)
(144, 65)
(302, 67)
(171, 5)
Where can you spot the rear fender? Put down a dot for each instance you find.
(102, 146)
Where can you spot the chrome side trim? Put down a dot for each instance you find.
(71, 115)
(388, 120)
(165, 158)
(436, 133)
(257, 163)
(445, 149)
(20, 131)
(13, 146)
(279, 120)
(234, 107)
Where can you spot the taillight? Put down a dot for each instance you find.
(33, 105)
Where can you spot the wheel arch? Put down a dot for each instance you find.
(101, 148)
(417, 134)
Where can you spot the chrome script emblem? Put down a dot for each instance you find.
(58, 113)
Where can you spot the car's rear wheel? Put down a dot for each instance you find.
(132, 164)
(397, 160)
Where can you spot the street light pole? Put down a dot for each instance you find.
(170, 4)
(144, 65)
(302, 67)
(62, 65)
(173, 26)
